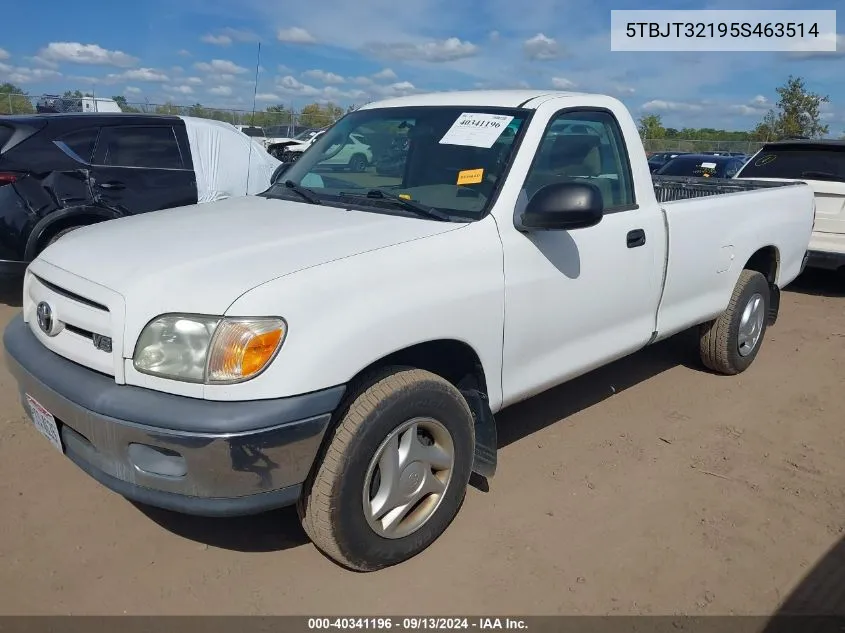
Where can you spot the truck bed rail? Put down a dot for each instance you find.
(675, 188)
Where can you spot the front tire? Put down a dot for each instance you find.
(729, 344)
(395, 471)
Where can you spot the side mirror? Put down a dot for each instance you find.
(564, 206)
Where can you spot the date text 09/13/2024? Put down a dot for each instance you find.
(416, 623)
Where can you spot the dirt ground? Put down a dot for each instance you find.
(646, 487)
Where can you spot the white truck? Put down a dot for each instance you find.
(342, 341)
(821, 164)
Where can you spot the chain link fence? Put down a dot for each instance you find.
(699, 145)
(282, 121)
(278, 121)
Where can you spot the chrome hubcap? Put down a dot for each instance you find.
(407, 477)
(751, 324)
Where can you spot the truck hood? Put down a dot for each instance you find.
(201, 258)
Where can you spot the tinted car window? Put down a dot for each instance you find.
(140, 147)
(700, 167)
(81, 143)
(253, 131)
(5, 134)
(819, 162)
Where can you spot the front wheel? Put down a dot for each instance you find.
(729, 344)
(395, 472)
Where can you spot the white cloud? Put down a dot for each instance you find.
(324, 76)
(183, 53)
(76, 53)
(296, 35)
(139, 74)
(4, 54)
(760, 100)
(183, 90)
(217, 40)
(362, 81)
(221, 91)
(196, 81)
(821, 55)
(386, 74)
(26, 75)
(541, 48)
(177, 69)
(436, 51)
(658, 105)
(132, 90)
(220, 66)
(267, 97)
(562, 83)
(493, 36)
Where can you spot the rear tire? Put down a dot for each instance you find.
(417, 429)
(729, 344)
(358, 163)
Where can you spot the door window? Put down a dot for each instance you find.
(584, 145)
(80, 143)
(141, 146)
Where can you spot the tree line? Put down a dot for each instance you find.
(797, 112)
(14, 100)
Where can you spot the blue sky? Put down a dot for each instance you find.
(204, 51)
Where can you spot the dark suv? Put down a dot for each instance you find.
(59, 172)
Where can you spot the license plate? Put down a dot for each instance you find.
(45, 422)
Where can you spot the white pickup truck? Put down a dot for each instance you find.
(342, 341)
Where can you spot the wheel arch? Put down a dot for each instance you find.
(766, 261)
(458, 363)
(51, 224)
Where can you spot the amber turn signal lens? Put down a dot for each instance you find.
(243, 347)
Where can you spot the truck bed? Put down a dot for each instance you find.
(676, 188)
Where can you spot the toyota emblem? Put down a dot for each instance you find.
(44, 314)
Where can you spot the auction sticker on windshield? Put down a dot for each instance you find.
(470, 176)
(476, 129)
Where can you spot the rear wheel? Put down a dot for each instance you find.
(358, 163)
(395, 472)
(729, 344)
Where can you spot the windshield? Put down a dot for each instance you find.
(798, 161)
(253, 131)
(446, 158)
(304, 136)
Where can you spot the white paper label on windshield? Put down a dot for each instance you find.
(708, 165)
(476, 129)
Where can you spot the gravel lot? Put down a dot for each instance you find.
(648, 486)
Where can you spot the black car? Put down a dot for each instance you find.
(656, 161)
(702, 166)
(59, 172)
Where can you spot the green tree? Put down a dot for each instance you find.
(651, 127)
(120, 100)
(13, 100)
(796, 113)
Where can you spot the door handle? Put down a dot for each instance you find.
(112, 185)
(635, 238)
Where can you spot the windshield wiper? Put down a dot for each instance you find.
(303, 192)
(821, 174)
(417, 207)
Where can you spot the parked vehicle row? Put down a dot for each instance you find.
(821, 164)
(343, 345)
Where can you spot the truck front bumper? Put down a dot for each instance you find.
(193, 456)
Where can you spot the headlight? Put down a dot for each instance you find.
(208, 349)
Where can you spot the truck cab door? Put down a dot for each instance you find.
(577, 299)
(141, 168)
